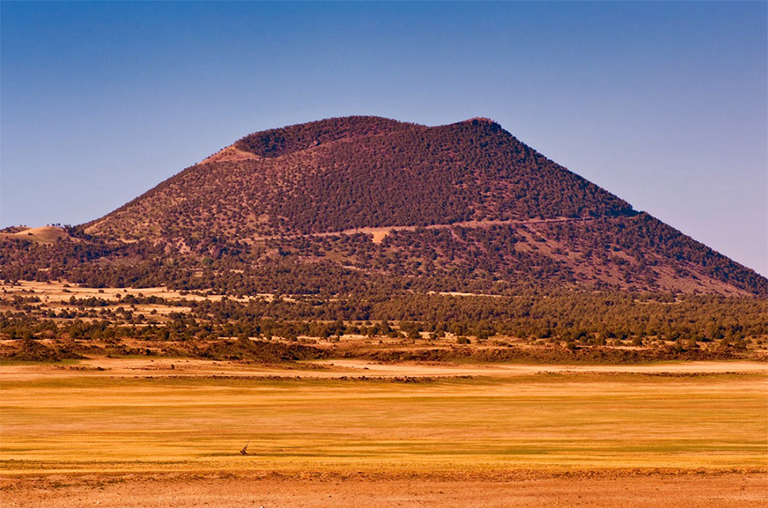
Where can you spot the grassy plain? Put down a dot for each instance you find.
(67, 421)
(453, 433)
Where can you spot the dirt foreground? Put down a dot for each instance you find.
(520, 489)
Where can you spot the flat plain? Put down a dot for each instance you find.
(168, 432)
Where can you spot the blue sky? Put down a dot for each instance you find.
(661, 103)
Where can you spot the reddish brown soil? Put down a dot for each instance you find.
(520, 489)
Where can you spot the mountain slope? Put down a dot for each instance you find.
(358, 172)
(375, 205)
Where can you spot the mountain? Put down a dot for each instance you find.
(358, 172)
(371, 204)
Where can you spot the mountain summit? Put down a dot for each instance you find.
(359, 172)
(347, 204)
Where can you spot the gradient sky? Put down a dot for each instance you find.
(662, 103)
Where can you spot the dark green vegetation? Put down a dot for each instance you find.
(564, 327)
(358, 222)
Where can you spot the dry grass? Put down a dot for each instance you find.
(44, 234)
(142, 434)
(71, 421)
(56, 291)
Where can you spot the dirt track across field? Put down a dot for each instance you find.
(503, 370)
(331, 369)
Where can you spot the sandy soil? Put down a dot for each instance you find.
(616, 489)
(329, 369)
(502, 370)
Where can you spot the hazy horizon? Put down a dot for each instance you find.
(662, 104)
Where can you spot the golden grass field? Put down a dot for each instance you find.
(70, 435)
